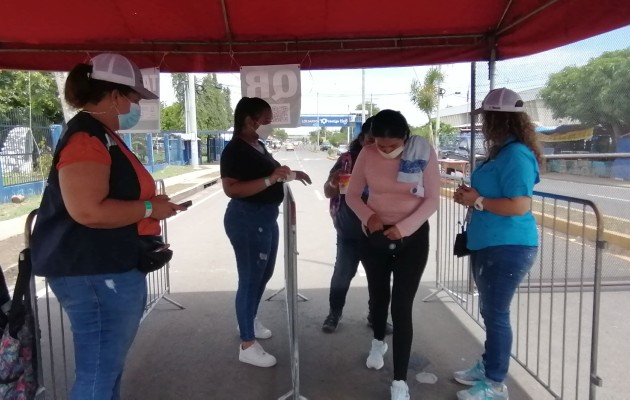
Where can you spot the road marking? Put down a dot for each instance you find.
(197, 203)
(318, 195)
(606, 197)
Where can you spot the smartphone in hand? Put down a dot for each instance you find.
(186, 203)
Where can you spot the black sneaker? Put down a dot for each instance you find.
(389, 328)
(331, 322)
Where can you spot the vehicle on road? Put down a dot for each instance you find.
(325, 146)
(461, 150)
(289, 146)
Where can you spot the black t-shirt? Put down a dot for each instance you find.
(241, 161)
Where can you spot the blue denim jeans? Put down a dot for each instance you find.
(498, 270)
(104, 312)
(253, 231)
(346, 264)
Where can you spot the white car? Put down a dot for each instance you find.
(289, 147)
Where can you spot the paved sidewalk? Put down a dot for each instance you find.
(178, 187)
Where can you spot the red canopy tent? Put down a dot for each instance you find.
(221, 35)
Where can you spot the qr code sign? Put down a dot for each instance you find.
(281, 113)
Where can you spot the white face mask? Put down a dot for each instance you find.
(392, 154)
(264, 131)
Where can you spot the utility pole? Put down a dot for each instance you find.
(363, 95)
(371, 105)
(348, 134)
(191, 119)
(440, 92)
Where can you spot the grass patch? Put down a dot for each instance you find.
(13, 210)
(172, 170)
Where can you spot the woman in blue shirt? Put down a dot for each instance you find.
(502, 233)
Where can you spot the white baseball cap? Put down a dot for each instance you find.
(502, 100)
(118, 69)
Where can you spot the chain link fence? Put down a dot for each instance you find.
(26, 144)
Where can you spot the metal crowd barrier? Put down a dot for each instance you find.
(41, 388)
(290, 278)
(55, 346)
(159, 282)
(555, 312)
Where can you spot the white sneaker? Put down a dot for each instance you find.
(260, 331)
(256, 355)
(375, 358)
(400, 390)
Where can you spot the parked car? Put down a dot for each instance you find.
(343, 148)
(289, 147)
(325, 146)
(461, 151)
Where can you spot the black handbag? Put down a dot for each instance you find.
(460, 248)
(154, 255)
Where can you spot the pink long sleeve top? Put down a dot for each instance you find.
(391, 200)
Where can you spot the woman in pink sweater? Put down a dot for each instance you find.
(401, 173)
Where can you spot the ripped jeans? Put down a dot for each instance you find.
(253, 231)
(104, 312)
(498, 270)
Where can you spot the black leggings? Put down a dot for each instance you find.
(407, 266)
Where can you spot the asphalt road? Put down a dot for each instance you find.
(612, 201)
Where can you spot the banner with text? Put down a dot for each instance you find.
(280, 86)
(150, 117)
(325, 120)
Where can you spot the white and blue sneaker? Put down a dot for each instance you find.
(484, 390)
(472, 375)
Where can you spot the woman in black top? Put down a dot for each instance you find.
(253, 179)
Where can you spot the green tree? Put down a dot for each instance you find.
(446, 134)
(180, 82)
(280, 134)
(172, 117)
(43, 99)
(337, 138)
(214, 111)
(324, 135)
(597, 93)
(370, 108)
(213, 103)
(425, 96)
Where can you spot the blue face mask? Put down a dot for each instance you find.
(129, 120)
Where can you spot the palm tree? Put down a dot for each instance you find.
(425, 96)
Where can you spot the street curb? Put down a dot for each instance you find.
(185, 193)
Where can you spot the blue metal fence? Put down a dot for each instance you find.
(26, 155)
